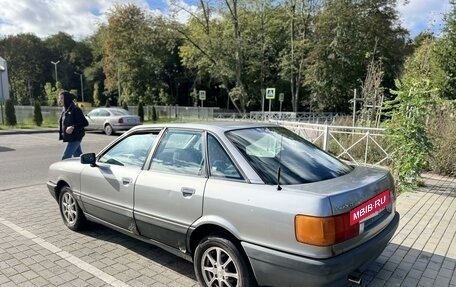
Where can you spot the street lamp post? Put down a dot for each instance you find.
(55, 68)
(82, 86)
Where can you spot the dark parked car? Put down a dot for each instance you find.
(249, 204)
(111, 120)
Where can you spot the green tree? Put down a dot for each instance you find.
(154, 114)
(295, 57)
(446, 54)
(134, 53)
(10, 113)
(125, 105)
(409, 112)
(94, 74)
(28, 66)
(37, 115)
(348, 36)
(141, 111)
(50, 94)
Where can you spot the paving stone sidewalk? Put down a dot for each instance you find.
(423, 250)
(36, 249)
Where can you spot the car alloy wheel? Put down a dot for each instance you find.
(218, 263)
(69, 209)
(108, 129)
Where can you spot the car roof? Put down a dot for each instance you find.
(215, 126)
(110, 108)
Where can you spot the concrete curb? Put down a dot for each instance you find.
(28, 131)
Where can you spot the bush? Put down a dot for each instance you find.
(124, 105)
(37, 115)
(406, 131)
(442, 128)
(10, 113)
(141, 111)
(154, 114)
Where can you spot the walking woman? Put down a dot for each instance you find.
(72, 122)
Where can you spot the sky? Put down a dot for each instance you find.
(80, 18)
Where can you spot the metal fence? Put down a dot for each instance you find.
(24, 114)
(321, 118)
(358, 145)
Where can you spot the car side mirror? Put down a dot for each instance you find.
(88, 158)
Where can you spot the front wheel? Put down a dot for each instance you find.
(69, 209)
(218, 263)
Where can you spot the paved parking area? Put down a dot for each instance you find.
(36, 249)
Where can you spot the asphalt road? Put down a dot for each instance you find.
(25, 158)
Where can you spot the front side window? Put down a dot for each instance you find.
(131, 151)
(269, 148)
(180, 151)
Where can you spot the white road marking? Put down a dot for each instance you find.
(65, 255)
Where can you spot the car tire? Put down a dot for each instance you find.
(108, 129)
(69, 209)
(214, 250)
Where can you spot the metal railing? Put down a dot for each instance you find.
(358, 145)
(24, 114)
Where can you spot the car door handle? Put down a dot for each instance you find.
(126, 181)
(187, 192)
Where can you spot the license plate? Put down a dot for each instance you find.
(370, 207)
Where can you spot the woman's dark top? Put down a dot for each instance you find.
(71, 116)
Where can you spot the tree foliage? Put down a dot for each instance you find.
(409, 112)
(154, 114)
(306, 49)
(446, 54)
(348, 35)
(134, 54)
(10, 113)
(141, 111)
(37, 115)
(28, 65)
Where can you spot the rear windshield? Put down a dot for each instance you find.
(268, 148)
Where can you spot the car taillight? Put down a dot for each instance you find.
(120, 121)
(324, 231)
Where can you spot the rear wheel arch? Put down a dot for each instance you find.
(211, 229)
(214, 236)
(214, 230)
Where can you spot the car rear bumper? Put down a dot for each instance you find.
(275, 268)
(52, 187)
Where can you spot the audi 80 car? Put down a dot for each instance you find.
(250, 204)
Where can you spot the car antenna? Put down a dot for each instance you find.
(280, 164)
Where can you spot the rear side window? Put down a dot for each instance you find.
(180, 152)
(269, 148)
(220, 164)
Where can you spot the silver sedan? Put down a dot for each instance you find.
(111, 120)
(249, 204)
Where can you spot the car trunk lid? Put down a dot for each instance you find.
(366, 194)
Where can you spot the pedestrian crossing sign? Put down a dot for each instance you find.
(270, 93)
(202, 95)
